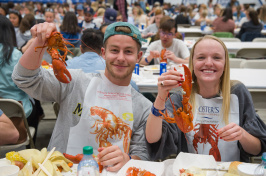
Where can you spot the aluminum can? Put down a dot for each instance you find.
(136, 70)
(142, 26)
(163, 67)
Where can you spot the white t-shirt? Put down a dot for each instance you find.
(178, 47)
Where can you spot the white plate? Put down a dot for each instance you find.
(187, 160)
(156, 168)
(153, 68)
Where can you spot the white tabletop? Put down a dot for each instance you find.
(198, 30)
(253, 79)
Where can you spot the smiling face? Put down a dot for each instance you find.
(14, 19)
(120, 54)
(208, 62)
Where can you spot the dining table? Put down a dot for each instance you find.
(253, 79)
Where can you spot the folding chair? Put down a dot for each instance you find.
(251, 53)
(223, 34)
(259, 39)
(235, 62)
(257, 63)
(230, 39)
(13, 108)
(193, 34)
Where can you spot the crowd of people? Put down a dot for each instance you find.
(104, 109)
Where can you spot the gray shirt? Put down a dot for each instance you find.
(42, 85)
(173, 140)
(151, 29)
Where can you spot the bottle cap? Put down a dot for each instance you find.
(263, 157)
(87, 150)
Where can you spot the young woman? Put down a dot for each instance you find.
(225, 122)
(70, 28)
(224, 23)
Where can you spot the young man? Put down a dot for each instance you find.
(176, 50)
(100, 110)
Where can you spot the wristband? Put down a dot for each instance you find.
(146, 60)
(156, 112)
(129, 156)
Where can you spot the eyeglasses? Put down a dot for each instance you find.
(166, 34)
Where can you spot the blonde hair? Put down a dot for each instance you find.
(224, 86)
(100, 11)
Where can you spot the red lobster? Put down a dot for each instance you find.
(206, 133)
(105, 129)
(54, 43)
(133, 171)
(183, 117)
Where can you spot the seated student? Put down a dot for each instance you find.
(8, 133)
(224, 106)
(225, 23)
(90, 61)
(100, 110)
(176, 50)
(88, 19)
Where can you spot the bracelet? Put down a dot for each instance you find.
(146, 60)
(156, 111)
(129, 156)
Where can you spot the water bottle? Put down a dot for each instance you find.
(203, 25)
(88, 166)
(261, 169)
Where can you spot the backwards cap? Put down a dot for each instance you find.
(112, 30)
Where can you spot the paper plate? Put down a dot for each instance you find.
(153, 68)
(187, 160)
(156, 168)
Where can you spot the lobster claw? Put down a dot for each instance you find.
(60, 71)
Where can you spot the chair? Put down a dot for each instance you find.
(251, 53)
(259, 39)
(223, 34)
(258, 64)
(230, 39)
(249, 36)
(13, 108)
(193, 34)
(235, 62)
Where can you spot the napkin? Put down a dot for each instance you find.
(187, 160)
(156, 168)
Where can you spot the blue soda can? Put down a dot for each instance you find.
(142, 26)
(136, 70)
(163, 67)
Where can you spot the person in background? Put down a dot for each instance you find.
(232, 3)
(70, 29)
(106, 93)
(182, 18)
(15, 18)
(88, 19)
(3, 10)
(49, 15)
(253, 25)
(139, 17)
(109, 16)
(8, 133)
(121, 6)
(203, 20)
(9, 57)
(90, 61)
(80, 13)
(217, 12)
(119, 17)
(262, 15)
(153, 28)
(176, 50)
(237, 132)
(103, 27)
(224, 23)
(24, 34)
(99, 19)
(237, 14)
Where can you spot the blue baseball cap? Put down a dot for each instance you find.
(80, 7)
(110, 15)
(133, 32)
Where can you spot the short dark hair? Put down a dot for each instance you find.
(92, 40)
(168, 25)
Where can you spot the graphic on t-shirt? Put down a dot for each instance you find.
(207, 133)
(110, 126)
